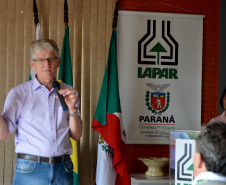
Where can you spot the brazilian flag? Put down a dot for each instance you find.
(65, 75)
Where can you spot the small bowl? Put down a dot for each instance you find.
(154, 165)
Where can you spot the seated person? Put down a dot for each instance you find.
(222, 103)
(210, 155)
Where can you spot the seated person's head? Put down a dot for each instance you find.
(210, 154)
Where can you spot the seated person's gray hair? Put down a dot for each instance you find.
(211, 144)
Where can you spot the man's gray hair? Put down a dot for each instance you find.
(211, 144)
(44, 44)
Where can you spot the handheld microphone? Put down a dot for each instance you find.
(56, 87)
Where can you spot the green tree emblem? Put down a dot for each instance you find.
(158, 48)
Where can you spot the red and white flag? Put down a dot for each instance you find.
(112, 164)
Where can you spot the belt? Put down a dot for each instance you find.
(51, 160)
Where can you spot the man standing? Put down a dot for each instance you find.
(210, 155)
(43, 128)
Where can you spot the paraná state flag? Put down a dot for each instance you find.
(65, 75)
(107, 121)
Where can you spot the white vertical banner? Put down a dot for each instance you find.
(160, 74)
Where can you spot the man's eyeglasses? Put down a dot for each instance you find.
(42, 61)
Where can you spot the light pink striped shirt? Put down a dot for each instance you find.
(222, 118)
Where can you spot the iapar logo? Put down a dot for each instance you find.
(185, 165)
(159, 102)
(158, 49)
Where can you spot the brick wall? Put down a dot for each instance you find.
(211, 10)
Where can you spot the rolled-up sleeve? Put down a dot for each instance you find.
(12, 109)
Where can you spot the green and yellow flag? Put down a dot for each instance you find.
(65, 75)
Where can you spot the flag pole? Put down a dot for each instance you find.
(65, 13)
(35, 11)
(115, 18)
(38, 33)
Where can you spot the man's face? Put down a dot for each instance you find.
(45, 69)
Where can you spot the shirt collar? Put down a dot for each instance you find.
(37, 84)
(210, 176)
